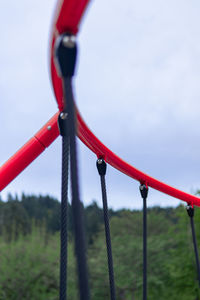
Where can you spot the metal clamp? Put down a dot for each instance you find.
(65, 54)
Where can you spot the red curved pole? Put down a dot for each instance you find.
(71, 25)
(49, 132)
(45, 136)
(29, 152)
(67, 17)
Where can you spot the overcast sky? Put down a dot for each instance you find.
(137, 87)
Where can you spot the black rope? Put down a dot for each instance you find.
(101, 166)
(190, 211)
(144, 194)
(77, 207)
(62, 122)
(66, 51)
(64, 204)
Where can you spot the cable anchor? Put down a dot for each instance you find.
(66, 54)
(190, 210)
(101, 166)
(62, 123)
(144, 190)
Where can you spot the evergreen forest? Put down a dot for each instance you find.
(30, 249)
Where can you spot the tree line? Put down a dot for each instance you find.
(29, 251)
(19, 214)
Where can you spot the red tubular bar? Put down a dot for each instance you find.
(102, 151)
(74, 9)
(29, 152)
(49, 132)
(67, 17)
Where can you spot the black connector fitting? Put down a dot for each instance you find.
(144, 191)
(66, 53)
(62, 123)
(190, 210)
(101, 166)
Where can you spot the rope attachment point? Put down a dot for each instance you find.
(190, 210)
(144, 191)
(66, 53)
(101, 166)
(62, 124)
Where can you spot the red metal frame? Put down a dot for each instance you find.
(29, 152)
(67, 18)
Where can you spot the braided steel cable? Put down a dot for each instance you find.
(77, 207)
(62, 122)
(101, 166)
(190, 211)
(144, 194)
(63, 232)
(65, 53)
